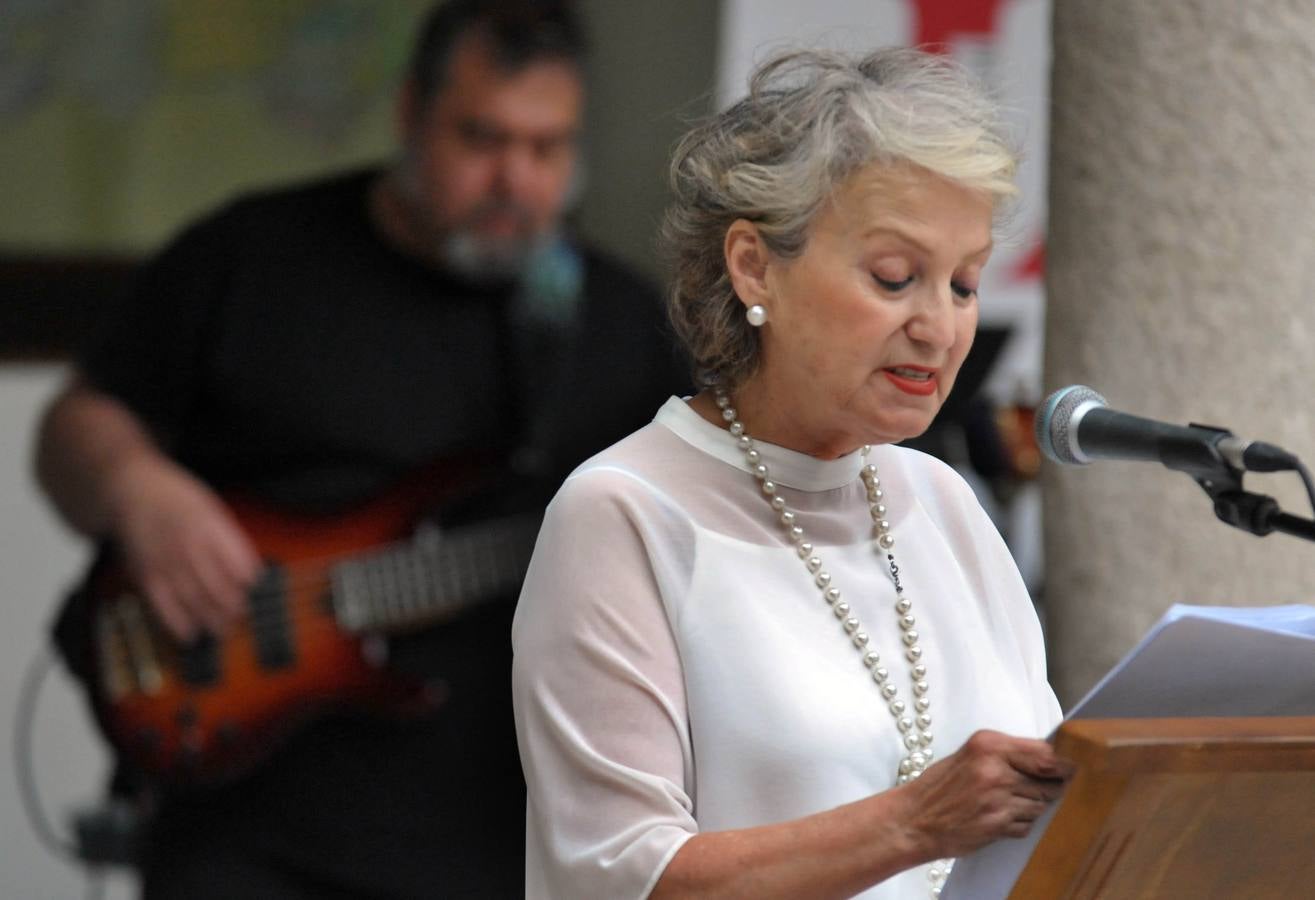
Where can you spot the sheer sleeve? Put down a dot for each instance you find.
(994, 575)
(599, 694)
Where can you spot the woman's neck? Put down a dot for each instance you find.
(766, 421)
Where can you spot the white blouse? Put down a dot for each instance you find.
(677, 671)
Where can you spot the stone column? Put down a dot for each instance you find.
(1181, 285)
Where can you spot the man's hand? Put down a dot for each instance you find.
(107, 476)
(183, 547)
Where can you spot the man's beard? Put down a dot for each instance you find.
(459, 246)
(481, 259)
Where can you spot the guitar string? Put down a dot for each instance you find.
(310, 568)
(304, 593)
(313, 571)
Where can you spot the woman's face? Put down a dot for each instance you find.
(868, 327)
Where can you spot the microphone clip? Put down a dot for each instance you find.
(1184, 450)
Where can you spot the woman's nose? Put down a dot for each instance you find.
(933, 323)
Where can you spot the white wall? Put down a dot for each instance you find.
(38, 558)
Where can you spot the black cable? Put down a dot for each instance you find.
(23, 741)
(1306, 480)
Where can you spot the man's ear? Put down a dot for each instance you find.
(747, 259)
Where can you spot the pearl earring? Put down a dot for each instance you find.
(756, 315)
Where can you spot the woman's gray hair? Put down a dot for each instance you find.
(811, 119)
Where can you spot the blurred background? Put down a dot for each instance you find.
(120, 120)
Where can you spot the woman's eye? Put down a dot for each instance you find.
(893, 286)
(962, 289)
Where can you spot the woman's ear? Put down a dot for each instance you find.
(747, 258)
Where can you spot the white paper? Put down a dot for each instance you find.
(1196, 661)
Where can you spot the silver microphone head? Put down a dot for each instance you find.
(1053, 433)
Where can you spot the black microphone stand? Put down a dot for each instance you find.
(1255, 513)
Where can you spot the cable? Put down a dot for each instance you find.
(23, 741)
(1306, 480)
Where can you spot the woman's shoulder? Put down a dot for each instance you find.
(935, 486)
(611, 533)
(644, 464)
(924, 471)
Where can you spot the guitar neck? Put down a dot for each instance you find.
(432, 577)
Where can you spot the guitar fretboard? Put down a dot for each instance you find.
(433, 576)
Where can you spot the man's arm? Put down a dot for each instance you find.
(106, 475)
(87, 439)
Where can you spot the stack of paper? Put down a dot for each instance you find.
(1196, 661)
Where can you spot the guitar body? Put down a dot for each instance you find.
(206, 712)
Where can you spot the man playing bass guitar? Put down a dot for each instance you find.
(298, 380)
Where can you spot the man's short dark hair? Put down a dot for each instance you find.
(518, 32)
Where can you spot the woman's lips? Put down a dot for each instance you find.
(917, 380)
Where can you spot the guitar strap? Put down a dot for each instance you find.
(545, 322)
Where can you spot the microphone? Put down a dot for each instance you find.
(1076, 426)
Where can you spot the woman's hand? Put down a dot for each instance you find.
(994, 786)
(182, 546)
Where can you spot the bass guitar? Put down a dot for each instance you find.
(205, 711)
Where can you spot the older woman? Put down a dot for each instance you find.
(762, 651)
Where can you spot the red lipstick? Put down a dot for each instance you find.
(920, 387)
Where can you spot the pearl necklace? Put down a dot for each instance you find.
(915, 728)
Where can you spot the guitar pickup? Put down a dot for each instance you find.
(270, 623)
(199, 661)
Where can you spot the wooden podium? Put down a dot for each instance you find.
(1181, 808)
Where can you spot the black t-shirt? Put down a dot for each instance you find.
(281, 348)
